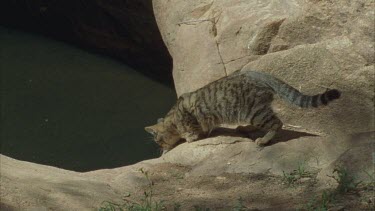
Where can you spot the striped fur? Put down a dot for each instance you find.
(240, 99)
(292, 95)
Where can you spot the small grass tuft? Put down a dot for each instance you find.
(177, 207)
(198, 208)
(289, 178)
(110, 206)
(371, 176)
(301, 170)
(147, 202)
(322, 203)
(298, 173)
(346, 182)
(240, 205)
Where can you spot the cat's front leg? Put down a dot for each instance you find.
(191, 137)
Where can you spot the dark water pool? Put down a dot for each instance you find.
(64, 107)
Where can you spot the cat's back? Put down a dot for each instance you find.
(228, 88)
(227, 96)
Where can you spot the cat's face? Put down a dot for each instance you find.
(164, 135)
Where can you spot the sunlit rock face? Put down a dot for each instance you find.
(313, 45)
(123, 29)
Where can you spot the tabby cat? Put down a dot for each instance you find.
(243, 98)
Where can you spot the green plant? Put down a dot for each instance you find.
(147, 202)
(240, 205)
(371, 176)
(198, 208)
(300, 172)
(345, 180)
(326, 198)
(289, 178)
(177, 207)
(310, 205)
(322, 203)
(346, 183)
(110, 206)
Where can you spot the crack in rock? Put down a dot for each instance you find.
(221, 58)
(235, 155)
(232, 60)
(215, 144)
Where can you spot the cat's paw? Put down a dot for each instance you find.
(165, 151)
(261, 141)
(191, 138)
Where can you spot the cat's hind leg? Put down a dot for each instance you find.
(272, 124)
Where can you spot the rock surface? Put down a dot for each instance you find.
(313, 45)
(212, 173)
(219, 37)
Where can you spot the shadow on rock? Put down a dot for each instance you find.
(287, 135)
(282, 136)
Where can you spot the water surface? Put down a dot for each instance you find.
(65, 107)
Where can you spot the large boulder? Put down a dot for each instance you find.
(313, 45)
(211, 39)
(213, 173)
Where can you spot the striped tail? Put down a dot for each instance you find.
(292, 95)
(305, 101)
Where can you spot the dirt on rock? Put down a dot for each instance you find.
(250, 192)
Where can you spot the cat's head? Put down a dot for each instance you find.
(165, 135)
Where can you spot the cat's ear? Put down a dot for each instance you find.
(151, 129)
(160, 120)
